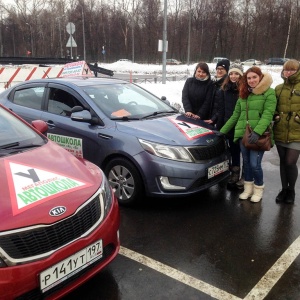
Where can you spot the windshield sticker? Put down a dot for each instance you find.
(191, 131)
(30, 186)
(121, 113)
(73, 145)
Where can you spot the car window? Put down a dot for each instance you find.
(29, 97)
(120, 100)
(61, 102)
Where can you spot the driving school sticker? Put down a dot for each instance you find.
(191, 131)
(30, 186)
(71, 144)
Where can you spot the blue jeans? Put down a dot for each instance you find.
(252, 165)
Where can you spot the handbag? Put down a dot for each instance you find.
(264, 143)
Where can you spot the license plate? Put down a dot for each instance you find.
(70, 266)
(218, 169)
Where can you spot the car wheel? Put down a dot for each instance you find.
(125, 180)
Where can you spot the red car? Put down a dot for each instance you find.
(59, 218)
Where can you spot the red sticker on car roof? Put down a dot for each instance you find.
(191, 131)
(30, 186)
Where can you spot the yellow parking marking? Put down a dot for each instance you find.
(177, 275)
(259, 291)
(266, 283)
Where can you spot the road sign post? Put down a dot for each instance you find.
(71, 42)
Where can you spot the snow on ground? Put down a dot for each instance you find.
(172, 89)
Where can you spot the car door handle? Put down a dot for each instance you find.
(50, 123)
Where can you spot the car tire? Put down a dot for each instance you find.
(125, 180)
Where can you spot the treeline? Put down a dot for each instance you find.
(107, 30)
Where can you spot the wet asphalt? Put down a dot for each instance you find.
(209, 246)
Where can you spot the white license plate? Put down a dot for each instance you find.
(218, 169)
(70, 266)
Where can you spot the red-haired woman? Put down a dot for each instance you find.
(255, 92)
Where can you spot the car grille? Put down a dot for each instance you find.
(43, 239)
(201, 153)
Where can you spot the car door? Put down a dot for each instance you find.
(79, 138)
(27, 101)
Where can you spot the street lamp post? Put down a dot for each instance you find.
(164, 54)
(60, 43)
(83, 31)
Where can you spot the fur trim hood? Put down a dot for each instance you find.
(263, 85)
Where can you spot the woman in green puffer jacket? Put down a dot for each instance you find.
(255, 89)
(287, 129)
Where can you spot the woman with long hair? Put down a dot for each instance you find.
(226, 98)
(258, 100)
(287, 129)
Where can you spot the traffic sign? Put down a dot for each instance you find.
(71, 42)
(70, 28)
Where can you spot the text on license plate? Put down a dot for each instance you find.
(218, 169)
(70, 266)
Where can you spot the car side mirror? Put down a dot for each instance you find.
(81, 116)
(164, 99)
(40, 125)
(77, 108)
(84, 116)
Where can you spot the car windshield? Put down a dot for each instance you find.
(15, 134)
(126, 101)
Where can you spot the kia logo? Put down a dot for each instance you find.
(57, 211)
(208, 141)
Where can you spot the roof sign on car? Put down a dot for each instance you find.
(78, 68)
(30, 186)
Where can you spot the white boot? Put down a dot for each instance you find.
(248, 190)
(257, 193)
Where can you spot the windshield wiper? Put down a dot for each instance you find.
(159, 113)
(23, 147)
(8, 146)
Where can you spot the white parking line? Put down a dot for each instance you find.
(259, 292)
(266, 283)
(177, 275)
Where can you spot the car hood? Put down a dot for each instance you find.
(173, 130)
(36, 181)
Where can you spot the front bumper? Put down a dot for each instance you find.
(185, 178)
(22, 281)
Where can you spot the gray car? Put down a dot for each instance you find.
(143, 144)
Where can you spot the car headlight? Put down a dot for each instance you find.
(165, 151)
(106, 193)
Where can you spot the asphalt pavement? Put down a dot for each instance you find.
(209, 246)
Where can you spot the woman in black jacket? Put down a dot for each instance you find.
(197, 93)
(227, 97)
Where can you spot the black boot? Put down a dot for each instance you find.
(234, 177)
(290, 197)
(281, 196)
